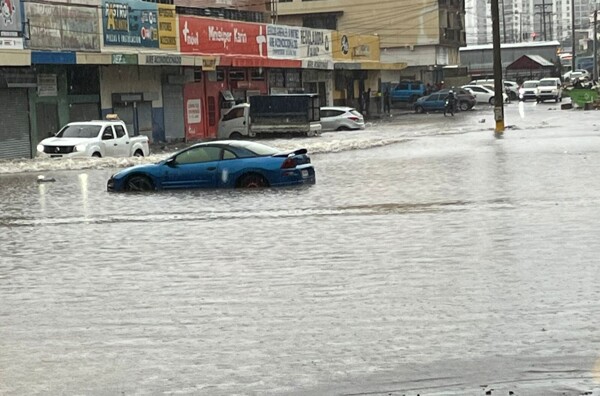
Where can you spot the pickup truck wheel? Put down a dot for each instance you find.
(138, 153)
(252, 180)
(235, 136)
(138, 183)
(97, 155)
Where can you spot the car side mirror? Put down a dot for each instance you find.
(171, 162)
(107, 136)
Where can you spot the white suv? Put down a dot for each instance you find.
(550, 88)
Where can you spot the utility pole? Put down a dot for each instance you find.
(595, 73)
(498, 85)
(503, 23)
(573, 35)
(544, 19)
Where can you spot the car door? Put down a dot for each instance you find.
(432, 102)
(193, 168)
(123, 147)
(110, 143)
(481, 94)
(326, 119)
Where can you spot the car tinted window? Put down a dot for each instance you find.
(120, 131)
(234, 113)
(260, 149)
(82, 131)
(530, 84)
(432, 98)
(228, 155)
(108, 133)
(336, 113)
(199, 154)
(326, 113)
(547, 83)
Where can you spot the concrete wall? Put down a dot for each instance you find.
(130, 79)
(397, 23)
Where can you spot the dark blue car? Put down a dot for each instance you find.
(219, 164)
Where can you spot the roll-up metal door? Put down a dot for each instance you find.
(173, 110)
(15, 139)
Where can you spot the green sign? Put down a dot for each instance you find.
(124, 59)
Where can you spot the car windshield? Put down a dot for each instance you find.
(79, 131)
(260, 149)
(530, 84)
(547, 83)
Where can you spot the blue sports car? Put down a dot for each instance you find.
(226, 163)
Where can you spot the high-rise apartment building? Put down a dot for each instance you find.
(529, 20)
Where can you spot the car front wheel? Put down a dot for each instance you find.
(419, 109)
(138, 183)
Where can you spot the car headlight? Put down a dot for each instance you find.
(40, 148)
(79, 148)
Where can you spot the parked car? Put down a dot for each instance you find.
(465, 99)
(339, 118)
(578, 73)
(550, 88)
(437, 100)
(528, 90)
(102, 138)
(510, 87)
(219, 164)
(407, 91)
(484, 93)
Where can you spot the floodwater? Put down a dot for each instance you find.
(430, 258)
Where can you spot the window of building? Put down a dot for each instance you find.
(237, 75)
(257, 74)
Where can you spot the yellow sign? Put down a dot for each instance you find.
(348, 47)
(167, 27)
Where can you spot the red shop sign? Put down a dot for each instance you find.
(215, 37)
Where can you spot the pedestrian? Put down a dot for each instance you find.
(428, 89)
(378, 101)
(386, 101)
(368, 102)
(450, 103)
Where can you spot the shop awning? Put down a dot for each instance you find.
(15, 58)
(237, 61)
(370, 65)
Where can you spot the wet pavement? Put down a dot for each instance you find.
(430, 258)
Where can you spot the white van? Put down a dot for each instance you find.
(550, 88)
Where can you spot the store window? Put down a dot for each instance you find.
(237, 75)
(257, 74)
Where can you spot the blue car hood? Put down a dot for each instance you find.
(135, 168)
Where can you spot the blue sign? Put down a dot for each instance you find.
(52, 57)
(132, 23)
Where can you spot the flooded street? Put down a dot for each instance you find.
(430, 258)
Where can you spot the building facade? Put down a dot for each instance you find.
(168, 71)
(424, 34)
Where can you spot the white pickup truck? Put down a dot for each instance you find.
(94, 139)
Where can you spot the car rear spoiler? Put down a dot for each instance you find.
(288, 153)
